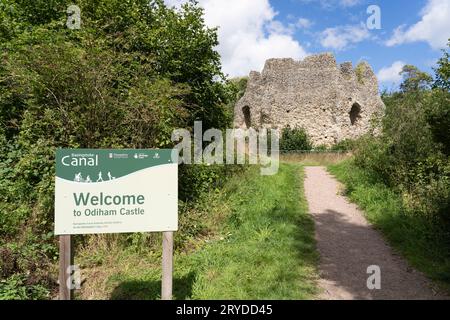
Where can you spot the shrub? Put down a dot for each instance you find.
(195, 180)
(437, 115)
(295, 139)
(17, 288)
(321, 148)
(411, 155)
(344, 145)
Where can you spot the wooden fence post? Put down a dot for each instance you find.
(167, 266)
(65, 262)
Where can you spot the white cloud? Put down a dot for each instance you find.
(248, 34)
(333, 3)
(391, 74)
(349, 3)
(433, 28)
(276, 27)
(303, 23)
(341, 37)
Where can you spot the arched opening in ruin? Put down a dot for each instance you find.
(355, 114)
(247, 116)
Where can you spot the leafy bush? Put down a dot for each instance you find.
(344, 145)
(16, 288)
(411, 155)
(135, 71)
(408, 157)
(438, 117)
(442, 77)
(199, 179)
(294, 139)
(321, 148)
(24, 268)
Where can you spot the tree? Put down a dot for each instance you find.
(414, 79)
(438, 104)
(442, 78)
(177, 41)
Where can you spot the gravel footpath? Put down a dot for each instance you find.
(348, 245)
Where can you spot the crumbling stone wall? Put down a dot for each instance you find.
(332, 102)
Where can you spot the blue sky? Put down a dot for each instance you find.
(251, 31)
(332, 14)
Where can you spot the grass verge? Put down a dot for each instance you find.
(315, 158)
(411, 235)
(260, 246)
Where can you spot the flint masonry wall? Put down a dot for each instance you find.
(332, 102)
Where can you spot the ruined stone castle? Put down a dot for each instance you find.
(331, 102)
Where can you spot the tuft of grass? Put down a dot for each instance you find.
(411, 235)
(260, 246)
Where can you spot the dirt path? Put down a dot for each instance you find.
(348, 245)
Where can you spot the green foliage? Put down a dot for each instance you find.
(442, 78)
(411, 155)
(360, 70)
(321, 148)
(16, 288)
(437, 114)
(24, 268)
(414, 79)
(239, 86)
(135, 71)
(421, 240)
(199, 179)
(179, 44)
(344, 145)
(295, 139)
(407, 156)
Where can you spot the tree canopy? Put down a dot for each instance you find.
(414, 79)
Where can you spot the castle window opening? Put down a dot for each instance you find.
(247, 116)
(355, 113)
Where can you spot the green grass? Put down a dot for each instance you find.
(263, 248)
(314, 158)
(411, 235)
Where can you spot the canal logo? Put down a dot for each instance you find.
(80, 160)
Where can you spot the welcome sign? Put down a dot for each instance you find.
(115, 191)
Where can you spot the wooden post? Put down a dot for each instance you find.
(65, 261)
(167, 266)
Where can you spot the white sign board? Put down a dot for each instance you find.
(115, 191)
